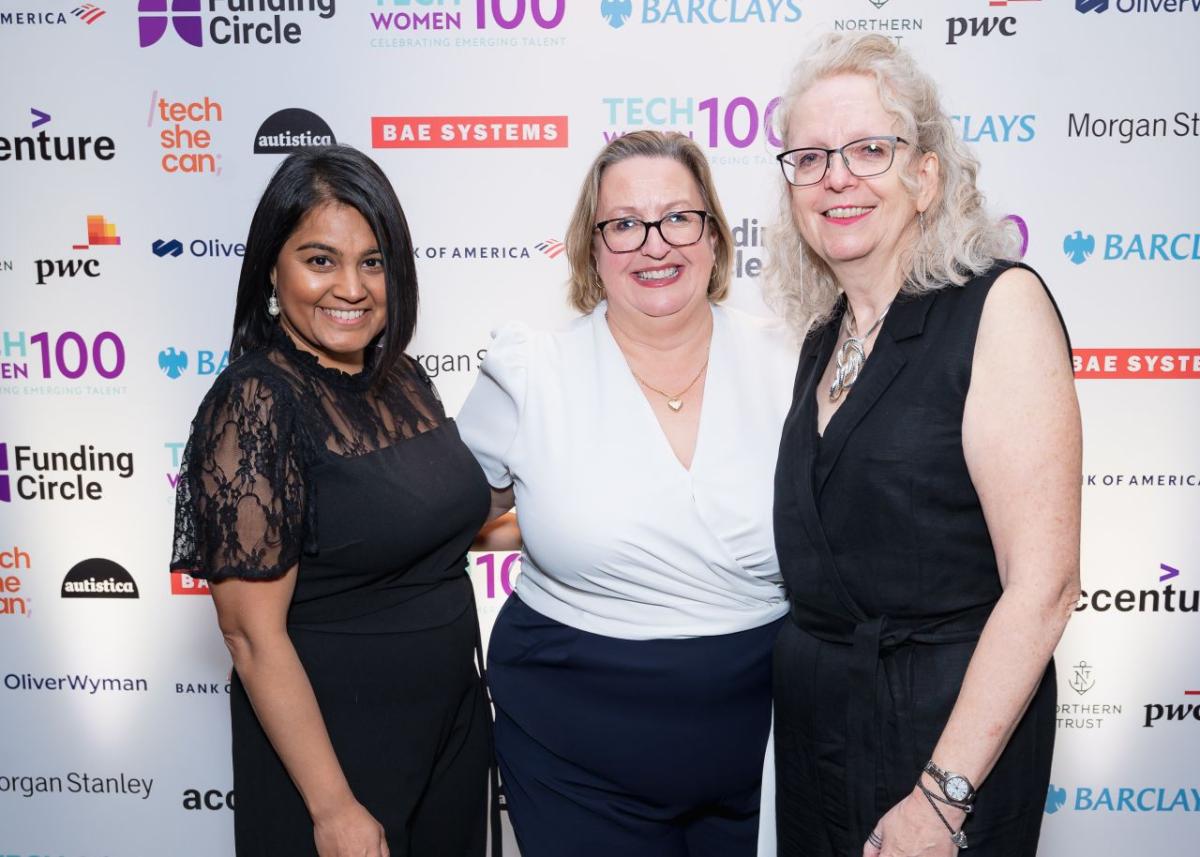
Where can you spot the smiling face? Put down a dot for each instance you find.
(331, 286)
(853, 222)
(657, 280)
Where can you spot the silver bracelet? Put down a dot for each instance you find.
(956, 836)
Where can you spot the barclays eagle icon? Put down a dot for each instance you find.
(1078, 247)
(616, 12)
(173, 363)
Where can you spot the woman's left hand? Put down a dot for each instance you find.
(912, 829)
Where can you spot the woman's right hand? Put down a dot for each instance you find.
(349, 831)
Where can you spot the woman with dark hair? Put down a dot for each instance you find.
(330, 503)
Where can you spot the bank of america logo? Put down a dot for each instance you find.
(184, 17)
(89, 13)
(552, 247)
(5, 491)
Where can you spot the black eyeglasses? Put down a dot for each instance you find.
(870, 156)
(628, 234)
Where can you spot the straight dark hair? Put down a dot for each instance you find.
(304, 181)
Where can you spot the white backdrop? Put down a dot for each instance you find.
(113, 710)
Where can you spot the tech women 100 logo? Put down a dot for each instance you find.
(42, 361)
(472, 27)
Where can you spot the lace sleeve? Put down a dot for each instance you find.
(240, 501)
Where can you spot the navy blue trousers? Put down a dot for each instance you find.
(642, 748)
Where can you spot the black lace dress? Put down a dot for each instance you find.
(372, 494)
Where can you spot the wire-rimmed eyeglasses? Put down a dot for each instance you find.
(870, 156)
(628, 234)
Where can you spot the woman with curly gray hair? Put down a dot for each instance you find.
(927, 488)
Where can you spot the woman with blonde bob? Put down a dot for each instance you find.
(927, 489)
(631, 667)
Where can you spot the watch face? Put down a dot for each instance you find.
(957, 788)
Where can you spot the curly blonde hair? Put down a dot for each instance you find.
(958, 239)
(585, 288)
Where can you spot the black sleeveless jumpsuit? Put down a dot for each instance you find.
(892, 575)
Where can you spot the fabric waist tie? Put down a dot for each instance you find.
(869, 641)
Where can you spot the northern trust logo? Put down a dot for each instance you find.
(236, 22)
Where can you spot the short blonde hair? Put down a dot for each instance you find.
(586, 290)
(958, 239)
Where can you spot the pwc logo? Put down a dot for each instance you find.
(469, 132)
(100, 233)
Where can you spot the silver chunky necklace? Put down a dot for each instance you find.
(851, 355)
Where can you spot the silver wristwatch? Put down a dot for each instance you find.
(957, 788)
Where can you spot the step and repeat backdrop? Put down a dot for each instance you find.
(136, 138)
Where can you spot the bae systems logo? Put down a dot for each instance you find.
(47, 147)
(617, 13)
(99, 578)
(469, 132)
(292, 130)
(1134, 246)
(236, 22)
(1122, 799)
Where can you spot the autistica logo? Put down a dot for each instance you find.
(230, 22)
(47, 147)
(1135, 246)
(174, 362)
(186, 138)
(617, 13)
(469, 132)
(1139, 799)
(292, 130)
(1137, 6)
(444, 24)
(99, 578)
(12, 563)
(56, 475)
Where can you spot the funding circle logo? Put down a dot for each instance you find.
(184, 16)
(291, 130)
(99, 578)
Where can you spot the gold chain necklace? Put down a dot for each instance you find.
(675, 403)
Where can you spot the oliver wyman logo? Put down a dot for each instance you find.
(1096, 6)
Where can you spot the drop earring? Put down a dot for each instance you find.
(273, 304)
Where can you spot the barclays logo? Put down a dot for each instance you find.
(1122, 799)
(619, 12)
(1148, 247)
(616, 12)
(174, 363)
(1079, 247)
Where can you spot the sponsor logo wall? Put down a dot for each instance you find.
(130, 184)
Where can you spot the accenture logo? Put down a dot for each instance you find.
(99, 578)
(292, 130)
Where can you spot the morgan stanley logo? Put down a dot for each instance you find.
(184, 17)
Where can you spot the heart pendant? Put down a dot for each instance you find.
(675, 404)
